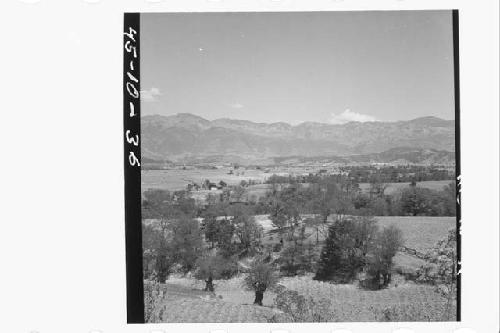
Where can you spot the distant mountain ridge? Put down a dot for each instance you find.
(186, 135)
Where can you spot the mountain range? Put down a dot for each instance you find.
(187, 136)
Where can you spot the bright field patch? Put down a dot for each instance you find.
(186, 305)
(420, 232)
(351, 303)
(174, 180)
(395, 187)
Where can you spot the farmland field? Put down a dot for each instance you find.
(186, 302)
(394, 187)
(177, 179)
(420, 232)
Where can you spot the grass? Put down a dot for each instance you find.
(351, 303)
(186, 302)
(186, 305)
(420, 232)
(395, 187)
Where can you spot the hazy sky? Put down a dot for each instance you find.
(294, 67)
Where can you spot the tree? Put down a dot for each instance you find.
(247, 230)
(365, 233)
(211, 228)
(378, 206)
(186, 243)
(157, 204)
(416, 201)
(164, 261)
(360, 201)
(261, 277)
(216, 223)
(449, 197)
(214, 267)
(387, 244)
(157, 254)
(377, 187)
(314, 223)
(277, 215)
(184, 204)
(286, 207)
(238, 193)
(332, 197)
(297, 258)
(341, 258)
(176, 239)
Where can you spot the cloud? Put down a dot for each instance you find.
(237, 106)
(150, 95)
(348, 116)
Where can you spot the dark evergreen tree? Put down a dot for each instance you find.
(340, 258)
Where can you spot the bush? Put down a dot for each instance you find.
(211, 268)
(441, 271)
(298, 308)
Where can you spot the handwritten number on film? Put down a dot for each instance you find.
(132, 80)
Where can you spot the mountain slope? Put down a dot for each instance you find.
(186, 135)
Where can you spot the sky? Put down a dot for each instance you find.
(330, 67)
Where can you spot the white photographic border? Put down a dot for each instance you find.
(63, 244)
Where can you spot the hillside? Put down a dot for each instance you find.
(188, 136)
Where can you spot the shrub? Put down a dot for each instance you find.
(442, 271)
(154, 298)
(211, 268)
(299, 308)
